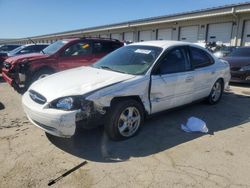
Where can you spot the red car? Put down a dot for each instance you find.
(21, 71)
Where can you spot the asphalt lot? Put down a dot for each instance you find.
(161, 155)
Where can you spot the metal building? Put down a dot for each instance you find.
(229, 24)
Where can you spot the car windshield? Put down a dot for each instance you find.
(13, 52)
(134, 59)
(53, 48)
(240, 52)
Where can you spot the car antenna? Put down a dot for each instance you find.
(35, 44)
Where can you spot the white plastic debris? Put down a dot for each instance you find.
(195, 125)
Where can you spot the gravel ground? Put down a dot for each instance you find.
(161, 155)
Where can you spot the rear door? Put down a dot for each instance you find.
(172, 81)
(205, 72)
(76, 55)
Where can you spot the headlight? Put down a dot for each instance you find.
(65, 103)
(73, 103)
(245, 68)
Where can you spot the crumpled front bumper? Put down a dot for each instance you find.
(6, 77)
(53, 121)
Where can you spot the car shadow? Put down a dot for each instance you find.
(159, 133)
(244, 85)
(2, 106)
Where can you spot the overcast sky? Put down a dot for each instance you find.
(26, 18)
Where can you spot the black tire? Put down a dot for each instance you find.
(37, 75)
(212, 99)
(113, 119)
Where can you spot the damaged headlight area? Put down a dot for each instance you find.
(88, 115)
(66, 103)
(77, 103)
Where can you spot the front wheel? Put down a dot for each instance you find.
(216, 92)
(124, 119)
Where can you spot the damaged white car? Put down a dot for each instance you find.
(124, 87)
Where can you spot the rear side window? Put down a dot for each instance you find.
(200, 58)
(105, 47)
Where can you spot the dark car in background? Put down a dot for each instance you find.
(239, 61)
(24, 49)
(224, 51)
(21, 71)
(8, 47)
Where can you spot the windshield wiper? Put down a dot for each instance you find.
(108, 68)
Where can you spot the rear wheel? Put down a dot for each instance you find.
(216, 92)
(124, 119)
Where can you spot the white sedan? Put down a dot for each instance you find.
(124, 87)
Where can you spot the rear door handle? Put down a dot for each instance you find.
(213, 72)
(189, 79)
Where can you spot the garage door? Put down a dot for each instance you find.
(116, 36)
(129, 36)
(164, 34)
(246, 36)
(189, 34)
(145, 35)
(220, 32)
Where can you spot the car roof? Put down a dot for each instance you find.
(36, 44)
(90, 38)
(165, 43)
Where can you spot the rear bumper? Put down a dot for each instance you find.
(240, 76)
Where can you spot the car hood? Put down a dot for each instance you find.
(76, 81)
(237, 61)
(26, 57)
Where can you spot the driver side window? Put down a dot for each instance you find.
(174, 61)
(78, 49)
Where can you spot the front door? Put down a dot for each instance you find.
(76, 55)
(172, 81)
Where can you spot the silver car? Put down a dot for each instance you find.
(124, 87)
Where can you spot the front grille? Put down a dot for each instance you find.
(38, 98)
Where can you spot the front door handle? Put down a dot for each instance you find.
(189, 79)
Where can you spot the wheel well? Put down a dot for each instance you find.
(134, 97)
(41, 69)
(223, 83)
(44, 68)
